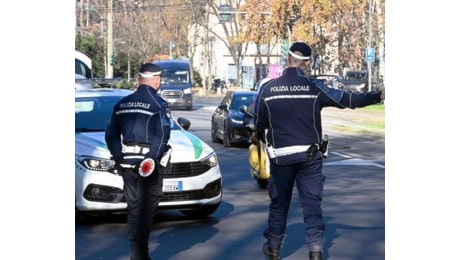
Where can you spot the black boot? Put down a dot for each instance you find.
(271, 253)
(318, 255)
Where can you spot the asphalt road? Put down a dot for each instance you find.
(353, 206)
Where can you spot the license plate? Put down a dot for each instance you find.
(172, 186)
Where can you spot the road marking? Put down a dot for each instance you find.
(341, 154)
(356, 161)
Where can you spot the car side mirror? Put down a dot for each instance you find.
(185, 123)
(223, 107)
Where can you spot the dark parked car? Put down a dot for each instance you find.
(358, 81)
(227, 120)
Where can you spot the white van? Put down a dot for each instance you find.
(83, 70)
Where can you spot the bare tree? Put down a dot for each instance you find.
(337, 30)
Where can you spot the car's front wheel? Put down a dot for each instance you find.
(214, 134)
(201, 212)
(80, 217)
(226, 138)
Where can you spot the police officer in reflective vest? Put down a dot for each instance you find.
(289, 108)
(137, 137)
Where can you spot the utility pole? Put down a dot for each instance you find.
(171, 45)
(87, 13)
(369, 45)
(127, 44)
(110, 58)
(208, 85)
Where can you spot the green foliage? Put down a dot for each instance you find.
(125, 84)
(119, 68)
(376, 107)
(89, 44)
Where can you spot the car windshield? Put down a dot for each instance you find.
(240, 100)
(92, 114)
(174, 76)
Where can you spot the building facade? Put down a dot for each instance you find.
(212, 57)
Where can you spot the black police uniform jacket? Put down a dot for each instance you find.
(142, 118)
(289, 107)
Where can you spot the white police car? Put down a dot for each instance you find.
(194, 185)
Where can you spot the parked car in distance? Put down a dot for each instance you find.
(193, 185)
(358, 81)
(227, 119)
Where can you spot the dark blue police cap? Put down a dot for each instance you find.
(148, 70)
(302, 48)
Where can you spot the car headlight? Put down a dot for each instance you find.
(211, 160)
(96, 164)
(187, 91)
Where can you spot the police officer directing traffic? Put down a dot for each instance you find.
(288, 121)
(137, 137)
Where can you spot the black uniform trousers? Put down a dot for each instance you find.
(310, 183)
(143, 195)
